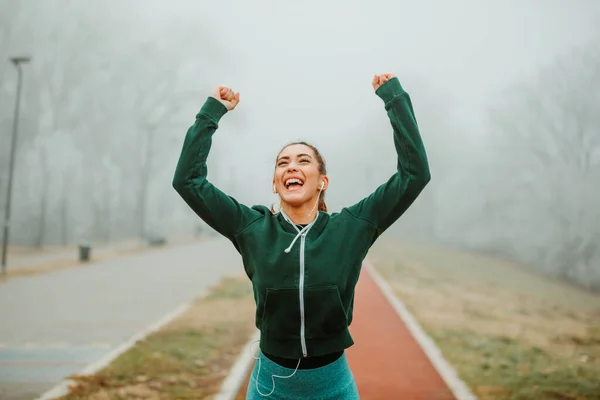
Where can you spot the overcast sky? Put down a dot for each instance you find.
(304, 69)
(302, 60)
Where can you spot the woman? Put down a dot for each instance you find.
(303, 264)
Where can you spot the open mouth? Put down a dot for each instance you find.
(293, 184)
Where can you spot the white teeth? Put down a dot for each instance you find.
(292, 180)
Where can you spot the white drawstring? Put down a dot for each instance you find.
(300, 231)
(296, 238)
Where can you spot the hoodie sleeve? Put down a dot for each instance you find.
(390, 200)
(218, 210)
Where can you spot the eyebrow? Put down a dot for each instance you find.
(299, 155)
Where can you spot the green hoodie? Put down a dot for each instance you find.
(304, 280)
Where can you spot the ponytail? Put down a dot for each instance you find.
(322, 205)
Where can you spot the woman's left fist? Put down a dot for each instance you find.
(379, 80)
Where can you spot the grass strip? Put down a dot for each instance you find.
(186, 359)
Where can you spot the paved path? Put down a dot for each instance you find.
(52, 325)
(386, 361)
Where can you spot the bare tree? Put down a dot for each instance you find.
(157, 98)
(547, 146)
(44, 198)
(105, 89)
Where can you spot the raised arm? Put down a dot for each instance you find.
(390, 200)
(220, 211)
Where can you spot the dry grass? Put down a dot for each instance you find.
(57, 265)
(72, 261)
(16, 251)
(511, 334)
(187, 359)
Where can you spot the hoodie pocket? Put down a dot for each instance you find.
(324, 312)
(281, 316)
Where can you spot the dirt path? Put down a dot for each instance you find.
(386, 361)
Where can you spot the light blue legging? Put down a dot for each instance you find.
(330, 382)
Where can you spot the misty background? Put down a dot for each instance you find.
(506, 93)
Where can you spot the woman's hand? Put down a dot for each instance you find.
(225, 95)
(379, 80)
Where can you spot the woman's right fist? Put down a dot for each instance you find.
(225, 95)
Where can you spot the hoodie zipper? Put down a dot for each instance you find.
(301, 290)
(302, 234)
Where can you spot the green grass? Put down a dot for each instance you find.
(187, 359)
(510, 334)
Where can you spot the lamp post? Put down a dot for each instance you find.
(17, 61)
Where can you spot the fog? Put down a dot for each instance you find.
(506, 93)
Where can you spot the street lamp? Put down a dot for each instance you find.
(17, 61)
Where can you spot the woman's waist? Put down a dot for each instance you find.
(306, 362)
(326, 382)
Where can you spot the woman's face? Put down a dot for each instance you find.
(297, 178)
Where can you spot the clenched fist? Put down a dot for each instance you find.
(379, 80)
(225, 95)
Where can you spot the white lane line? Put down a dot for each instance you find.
(234, 380)
(460, 390)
